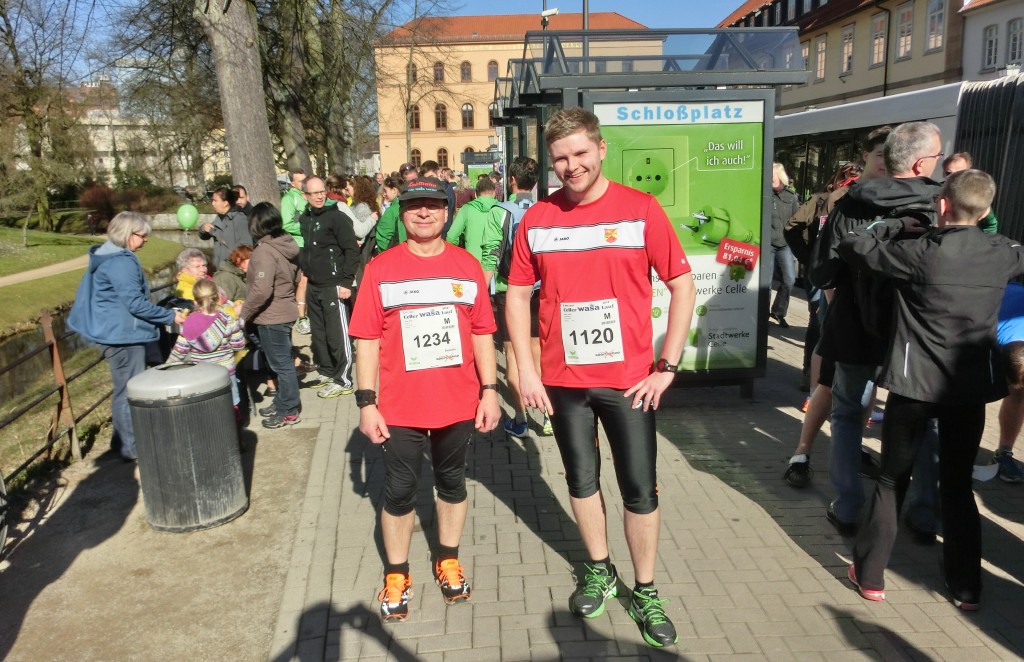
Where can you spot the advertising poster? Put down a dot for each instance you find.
(703, 162)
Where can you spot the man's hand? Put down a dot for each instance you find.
(488, 412)
(371, 423)
(344, 292)
(647, 393)
(532, 390)
(208, 227)
(179, 316)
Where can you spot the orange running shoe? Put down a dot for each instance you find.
(448, 575)
(394, 597)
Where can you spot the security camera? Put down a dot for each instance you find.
(548, 13)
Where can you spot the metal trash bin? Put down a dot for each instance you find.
(187, 441)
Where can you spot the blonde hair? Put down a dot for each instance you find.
(206, 296)
(779, 171)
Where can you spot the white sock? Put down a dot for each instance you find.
(800, 457)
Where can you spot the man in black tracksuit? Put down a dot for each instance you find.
(329, 258)
(855, 331)
(942, 361)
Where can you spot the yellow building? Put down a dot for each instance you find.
(862, 49)
(436, 78)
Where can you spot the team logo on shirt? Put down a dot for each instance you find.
(611, 234)
(457, 289)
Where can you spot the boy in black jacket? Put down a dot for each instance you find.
(943, 362)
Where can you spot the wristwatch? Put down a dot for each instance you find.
(664, 366)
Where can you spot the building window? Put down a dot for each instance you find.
(819, 57)
(879, 38)
(469, 150)
(410, 73)
(791, 10)
(936, 25)
(807, 6)
(415, 158)
(905, 31)
(492, 71)
(491, 110)
(442, 157)
(414, 118)
(778, 13)
(805, 53)
(438, 72)
(1013, 41)
(467, 116)
(990, 43)
(440, 116)
(467, 72)
(846, 62)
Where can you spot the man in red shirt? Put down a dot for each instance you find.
(592, 244)
(423, 324)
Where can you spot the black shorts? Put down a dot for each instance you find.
(403, 460)
(498, 301)
(631, 437)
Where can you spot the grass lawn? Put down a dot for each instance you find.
(44, 248)
(21, 304)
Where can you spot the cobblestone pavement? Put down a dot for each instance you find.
(751, 567)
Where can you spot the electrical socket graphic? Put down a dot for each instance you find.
(651, 171)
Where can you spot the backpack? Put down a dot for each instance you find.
(516, 211)
(802, 230)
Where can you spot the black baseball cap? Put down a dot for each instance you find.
(424, 187)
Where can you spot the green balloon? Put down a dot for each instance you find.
(187, 216)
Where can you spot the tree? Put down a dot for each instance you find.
(40, 41)
(231, 32)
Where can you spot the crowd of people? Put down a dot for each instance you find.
(410, 283)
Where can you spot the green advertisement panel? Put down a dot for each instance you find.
(704, 162)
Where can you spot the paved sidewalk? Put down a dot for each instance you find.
(752, 569)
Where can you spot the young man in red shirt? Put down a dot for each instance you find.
(423, 324)
(592, 244)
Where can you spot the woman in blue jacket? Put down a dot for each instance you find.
(112, 309)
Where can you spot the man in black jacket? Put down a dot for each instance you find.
(942, 362)
(329, 258)
(855, 331)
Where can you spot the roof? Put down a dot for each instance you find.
(970, 5)
(504, 27)
(748, 7)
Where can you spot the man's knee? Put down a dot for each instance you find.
(400, 497)
(641, 504)
(453, 492)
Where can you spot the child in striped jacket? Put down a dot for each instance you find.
(211, 334)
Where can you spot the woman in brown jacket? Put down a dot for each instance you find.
(270, 305)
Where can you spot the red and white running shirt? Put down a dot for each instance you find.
(428, 375)
(594, 262)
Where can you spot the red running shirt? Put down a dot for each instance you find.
(590, 254)
(397, 282)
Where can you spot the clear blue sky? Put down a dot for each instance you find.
(652, 13)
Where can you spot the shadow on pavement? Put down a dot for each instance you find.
(352, 626)
(94, 511)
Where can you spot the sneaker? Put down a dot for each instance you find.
(646, 609)
(1010, 470)
(267, 412)
(515, 428)
(847, 529)
(780, 320)
(333, 390)
(449, 576)
(546, 428)
(600, 582)
(966, 606)
(872, 594)
(302, 325)
(806, 405)
(799, 473)
(394, 597)
(318, 381)
(280, 421)
(919, 535)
